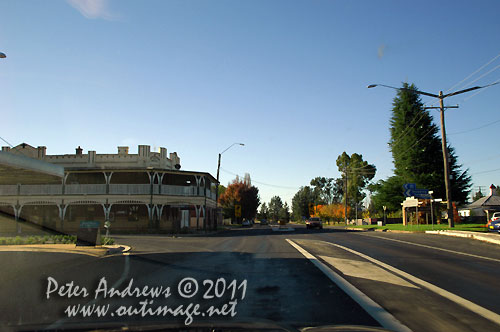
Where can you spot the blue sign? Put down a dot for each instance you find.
(89, 224)
(412, 191)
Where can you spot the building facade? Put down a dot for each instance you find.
(143, 192)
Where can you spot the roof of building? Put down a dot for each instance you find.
(492, 200)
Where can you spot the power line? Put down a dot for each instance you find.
(489, 171)
(475, 72)
(474, 129)
(262, 183)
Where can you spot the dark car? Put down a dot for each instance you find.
(314, 222)
(494, 225)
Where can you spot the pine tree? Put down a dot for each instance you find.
(417, 154)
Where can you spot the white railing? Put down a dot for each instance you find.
(130, 189)
(46, 189)
(178, 190)
(8, 189)
(100, 189)
(82, 189)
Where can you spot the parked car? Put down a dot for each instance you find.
(494, 226)
(246, 223)
(495, 216)
(264, 222)
(314, 222)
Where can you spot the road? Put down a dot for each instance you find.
(299, 278)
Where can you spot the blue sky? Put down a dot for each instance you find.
(287, 78)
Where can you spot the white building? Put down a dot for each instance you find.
(139, 192)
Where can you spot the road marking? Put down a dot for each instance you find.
(488, 314)
(387, 320)
(435, 248)
(365, 270)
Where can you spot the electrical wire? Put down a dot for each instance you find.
(475, 72)
(262, 183)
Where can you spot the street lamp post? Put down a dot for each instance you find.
(385, 208)
(432, 211)
(217, 187)
(2, 55)
(441, 97)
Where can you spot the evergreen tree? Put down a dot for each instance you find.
(417, 154)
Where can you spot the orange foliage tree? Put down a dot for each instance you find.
(332, 212)
(240, 192)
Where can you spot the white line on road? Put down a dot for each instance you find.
(435, 248)
(387, 320)
(444, 293)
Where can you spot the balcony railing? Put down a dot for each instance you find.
(48, 189)
(100, 189)
(82, 189)
(8, 190)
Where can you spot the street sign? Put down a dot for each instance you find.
(412, 191)
(311, 209)
(237, 210)
(88, 234)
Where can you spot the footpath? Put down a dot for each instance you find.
(485, 237)
(97, 251)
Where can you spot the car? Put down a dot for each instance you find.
(314, 222)
(264, 222)
(246, 223)
(494, 225)
(495, 217)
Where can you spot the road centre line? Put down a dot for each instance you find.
(488, 314)
(387, 320)
(435, 248)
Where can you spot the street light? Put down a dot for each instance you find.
(441, 96)
(217, 187)
(385, 208)
(2, 55)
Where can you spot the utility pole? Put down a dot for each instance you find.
(446, 159)
(345, 195)
(449, 206)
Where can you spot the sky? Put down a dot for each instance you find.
(286, 78)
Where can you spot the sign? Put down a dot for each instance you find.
(311, 209)
(88, 234)
(412, 191)
(237, 210)
(107, 224)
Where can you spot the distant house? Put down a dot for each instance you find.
(484, 206)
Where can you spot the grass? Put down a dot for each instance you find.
(47, 239)
(423, 228)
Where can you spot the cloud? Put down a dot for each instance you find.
(92, 9)
(381, 50)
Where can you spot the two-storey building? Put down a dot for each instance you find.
(139, 192)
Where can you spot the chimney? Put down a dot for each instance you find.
(493, 190)
(5, 148)
(79, 151)
(42, 151)
(123, 150)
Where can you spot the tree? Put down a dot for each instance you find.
(222, 189)
(417, 154)
(243, 193)
(301, 201)
(329, 190)
(275, 208)
(263, 213)
(358, 172)
(285, 213)
(477, 196)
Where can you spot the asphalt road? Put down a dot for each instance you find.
(421, 282)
